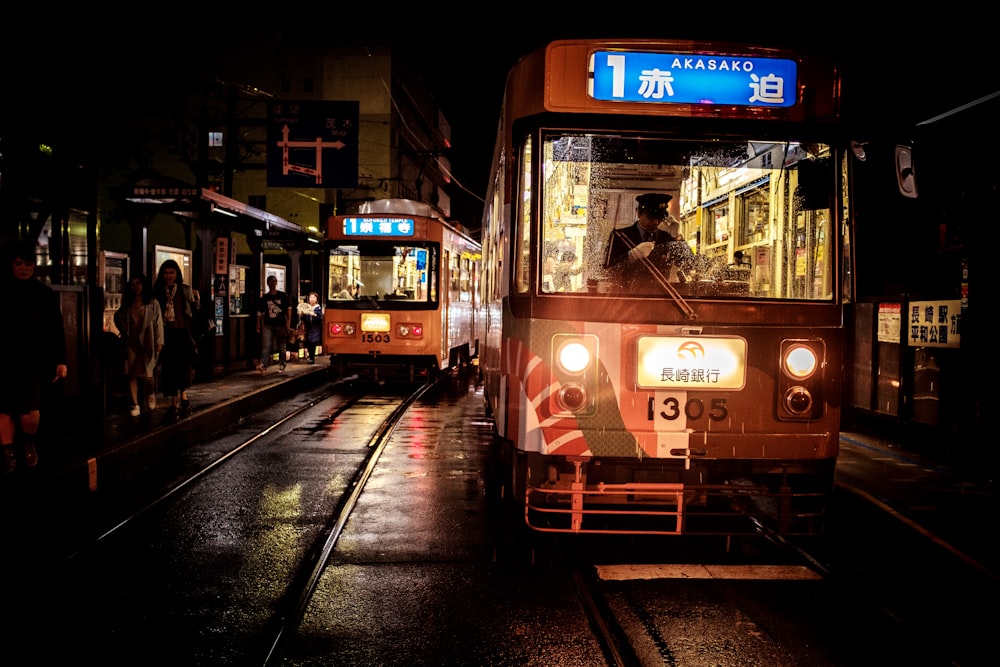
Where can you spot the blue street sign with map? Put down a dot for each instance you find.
(312, 144)
(642, 76)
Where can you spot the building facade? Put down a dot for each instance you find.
(183, 172)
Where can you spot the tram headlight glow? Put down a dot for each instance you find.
(800, 383)
(800, 361)
(574, 357)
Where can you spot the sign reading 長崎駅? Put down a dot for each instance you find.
(688, 78)
(935, 323)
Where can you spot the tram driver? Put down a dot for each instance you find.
(651, 242)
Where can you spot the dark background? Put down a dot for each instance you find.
(69, 72)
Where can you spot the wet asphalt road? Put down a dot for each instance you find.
(425, 572)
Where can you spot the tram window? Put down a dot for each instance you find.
(523, 250)
(382, 270)
(730, 196)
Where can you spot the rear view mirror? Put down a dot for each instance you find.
(904, 172)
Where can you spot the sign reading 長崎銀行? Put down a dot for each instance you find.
(935, 323)
(312, 144)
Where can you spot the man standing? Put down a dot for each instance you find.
(33, 342)
(273, 319)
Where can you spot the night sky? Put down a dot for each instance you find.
(66, 72)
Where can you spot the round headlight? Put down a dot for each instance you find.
(800, 361)
(574, 357)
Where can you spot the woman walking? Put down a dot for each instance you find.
(311, 315)
(140, 321)
(179, 303)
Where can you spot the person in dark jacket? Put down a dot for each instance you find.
(629, 245)
(33, 340)
(646, 241)
(274, 315)
(178, 303)
(311, 316)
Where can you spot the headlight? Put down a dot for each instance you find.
(800, 361)
(574, 357)
(574, 364)
(800, 381)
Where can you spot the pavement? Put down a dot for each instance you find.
(78, 457)
(950, 500)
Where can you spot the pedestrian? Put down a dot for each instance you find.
(273, 319)
(311, 315)
(33, 340)
(565, 269)
(178, 303)
(140, 321)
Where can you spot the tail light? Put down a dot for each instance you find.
(341, 329)
(410, 330)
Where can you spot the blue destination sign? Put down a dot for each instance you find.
(641, 76)
(373, 226)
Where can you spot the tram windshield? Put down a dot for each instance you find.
(751, 219)
(383, 273)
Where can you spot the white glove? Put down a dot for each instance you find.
(641, 251)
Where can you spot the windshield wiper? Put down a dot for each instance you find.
(661, 279)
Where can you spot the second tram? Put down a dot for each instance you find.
(401, 293)
(691, 388)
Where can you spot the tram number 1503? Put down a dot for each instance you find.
(374, 338)
(694, 409)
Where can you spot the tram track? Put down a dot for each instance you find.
(300, 592)
(118, 559)
(625, 626)
(179, 486)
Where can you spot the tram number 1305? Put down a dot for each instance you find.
(694, 408)
(374, 338)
